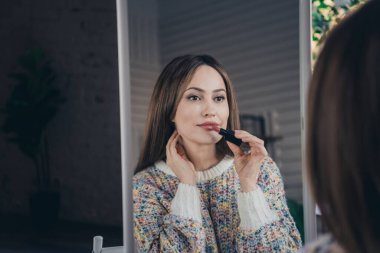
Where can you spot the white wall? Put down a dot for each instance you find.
(145, 63)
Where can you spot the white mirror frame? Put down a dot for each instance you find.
(126, 123)
(310, 222)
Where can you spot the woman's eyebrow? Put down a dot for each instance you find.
(201, 90)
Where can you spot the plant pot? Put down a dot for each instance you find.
(44, 209)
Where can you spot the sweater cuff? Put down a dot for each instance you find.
(254, 210)
(187, 202)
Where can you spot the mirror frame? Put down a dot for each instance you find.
(125, 122)
(126, 119)
(310, 221)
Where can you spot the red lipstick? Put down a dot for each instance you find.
(229, 135)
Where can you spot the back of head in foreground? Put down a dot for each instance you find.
(344, 131)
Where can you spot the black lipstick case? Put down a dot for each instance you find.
(229, 135)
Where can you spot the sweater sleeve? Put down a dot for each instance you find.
(266, 224)
(254, 210)
(187, 203)
(166, 227)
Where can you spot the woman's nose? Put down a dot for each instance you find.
(209, 114)
(209, 110)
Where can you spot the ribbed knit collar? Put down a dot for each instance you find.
(205, 175)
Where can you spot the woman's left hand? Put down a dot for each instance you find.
(248, 165)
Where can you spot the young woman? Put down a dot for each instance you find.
(344, 134)
(195, 192)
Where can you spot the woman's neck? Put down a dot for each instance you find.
(202, 156)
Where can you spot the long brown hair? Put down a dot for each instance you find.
(343, 142)
(167, 93)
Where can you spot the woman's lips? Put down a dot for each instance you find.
(210, 127)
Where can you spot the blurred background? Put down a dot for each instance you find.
(60, 169)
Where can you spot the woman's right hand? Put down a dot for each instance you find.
(177, 160)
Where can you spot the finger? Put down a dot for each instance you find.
(235, 149)
(180, 149)
(263, 151)
(171, 138)
(167, 146)
(259, 150)
(176, 149)
(252, 140)
(173, 145)
(253, 144)
(256, 148)
(244, 134)
(170, 144)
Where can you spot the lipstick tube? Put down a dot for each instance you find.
(229, 135)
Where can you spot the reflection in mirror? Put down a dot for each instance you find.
(257, 44)
(60, 176)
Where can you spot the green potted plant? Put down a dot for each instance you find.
(33, 103)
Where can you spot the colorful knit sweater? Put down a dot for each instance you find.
(213, 216)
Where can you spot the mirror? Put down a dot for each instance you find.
(258, 44)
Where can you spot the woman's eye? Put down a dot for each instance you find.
(193, 98)
(219, 98)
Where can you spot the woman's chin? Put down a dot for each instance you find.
(207, 138)
(210, 140)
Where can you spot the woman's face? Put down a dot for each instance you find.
(202, 106)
